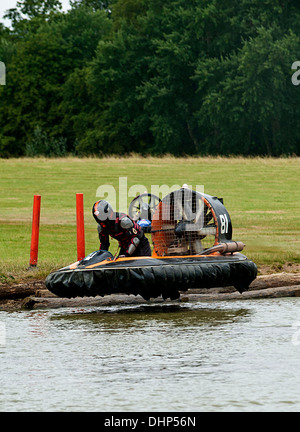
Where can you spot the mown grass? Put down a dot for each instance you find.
(262, 196)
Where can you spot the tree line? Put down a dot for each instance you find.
(204, 77)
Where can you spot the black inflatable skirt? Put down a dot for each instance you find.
(99, 275)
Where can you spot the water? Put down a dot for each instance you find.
(184, 357)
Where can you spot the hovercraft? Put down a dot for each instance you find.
(192, 241)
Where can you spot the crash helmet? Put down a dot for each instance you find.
(102, 211)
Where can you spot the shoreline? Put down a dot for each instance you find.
(30, 295)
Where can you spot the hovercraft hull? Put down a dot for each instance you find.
(99, 275)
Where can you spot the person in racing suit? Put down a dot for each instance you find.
(120, 226)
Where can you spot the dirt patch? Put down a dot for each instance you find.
(279, 268)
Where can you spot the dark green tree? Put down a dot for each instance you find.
(28, 14)
(94, 4)
(42, 64)
(166, 76)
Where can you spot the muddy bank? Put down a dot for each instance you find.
(34, 294)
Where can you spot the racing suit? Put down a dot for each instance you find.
(128, 233)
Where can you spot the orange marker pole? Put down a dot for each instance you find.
(80, 227)
(34, 248)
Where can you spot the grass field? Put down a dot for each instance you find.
(262, 196)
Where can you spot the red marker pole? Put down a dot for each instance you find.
(80, 227)
(34, 248)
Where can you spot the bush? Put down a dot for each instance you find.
(43, 145)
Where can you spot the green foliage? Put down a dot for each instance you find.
(43, 145)
(36, 75)
(121, 76)
(28, 15)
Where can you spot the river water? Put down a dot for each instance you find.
(183, 357)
